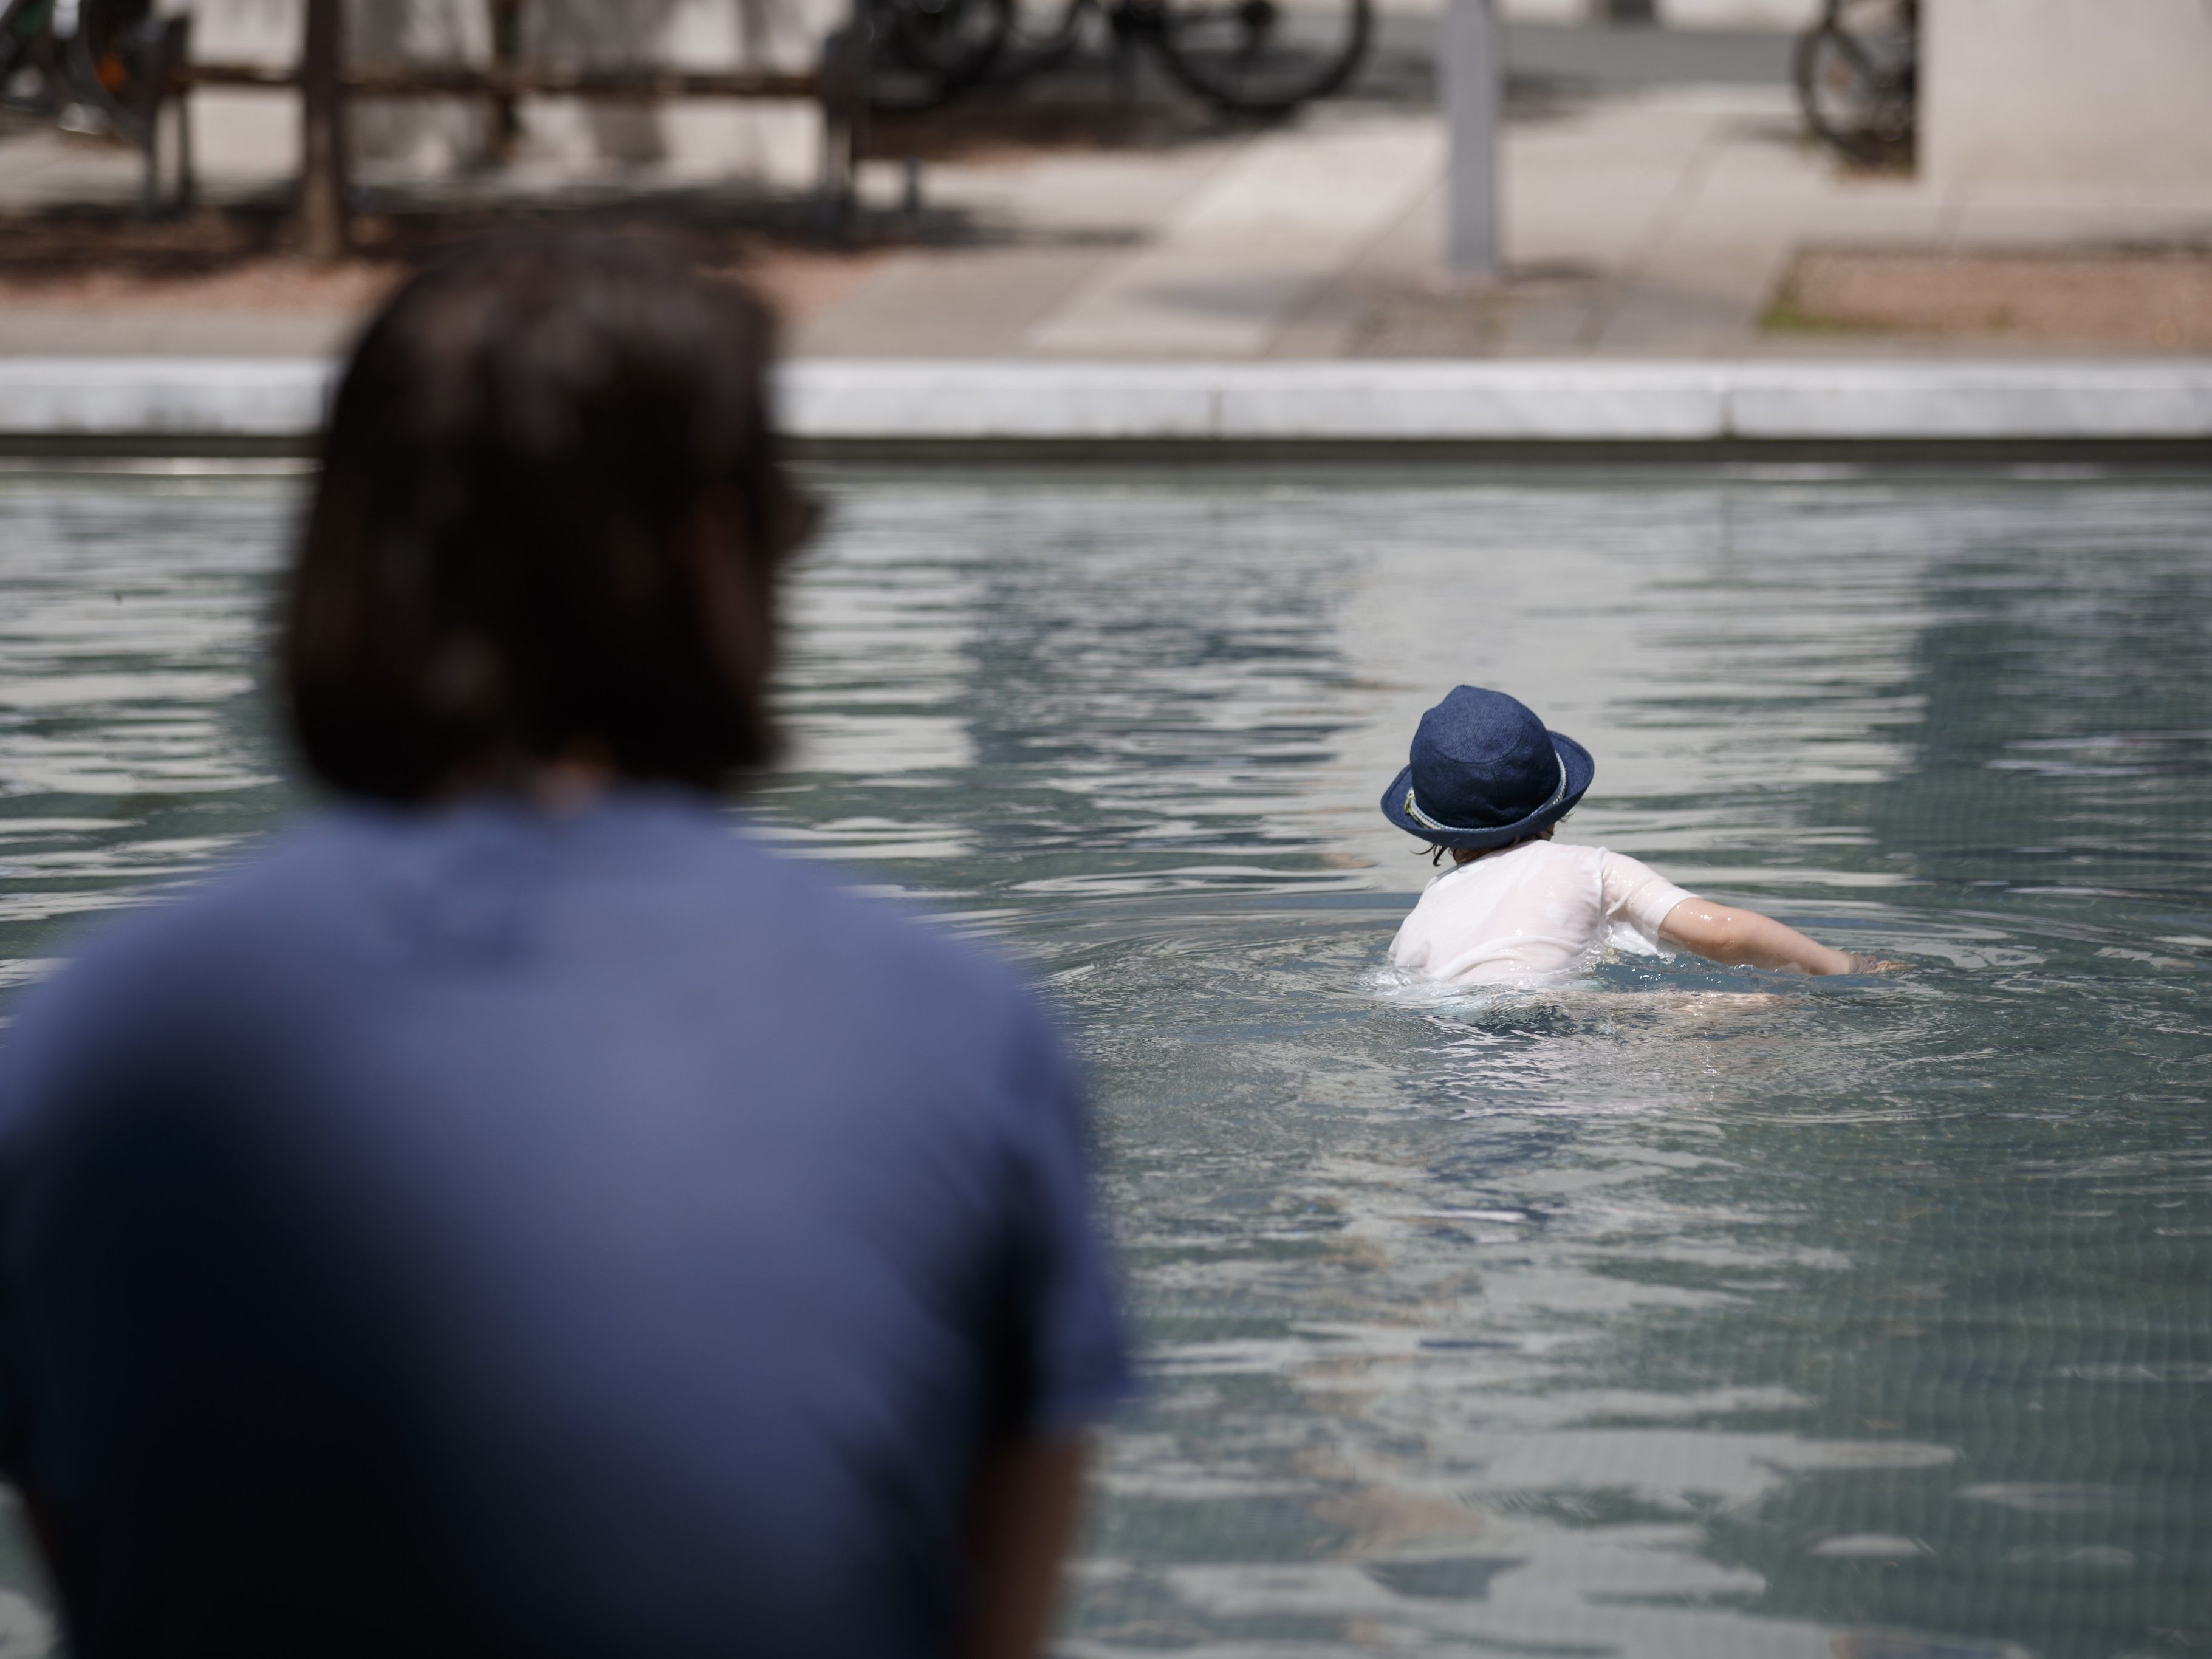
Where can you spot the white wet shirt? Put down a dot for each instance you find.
(1535, 908)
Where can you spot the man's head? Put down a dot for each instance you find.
(547, 529)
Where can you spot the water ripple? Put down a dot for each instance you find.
(1671, 1312)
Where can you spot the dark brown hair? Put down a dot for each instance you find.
(1437, 850)
(549, 523)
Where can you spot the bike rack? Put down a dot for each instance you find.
(157, 48)
(839, 83)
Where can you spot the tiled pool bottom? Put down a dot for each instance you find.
(1874, 1320)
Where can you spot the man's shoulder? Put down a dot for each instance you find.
(717, 890)
(257, 901)
(309, 910)
(848, 957)
(874, 942)
(139, 985)
(187, 933)
(335, 877)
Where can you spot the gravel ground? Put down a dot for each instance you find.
(239, 261)
(2148, 298)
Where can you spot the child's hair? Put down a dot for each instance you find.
(1468, 854)
(550, 518)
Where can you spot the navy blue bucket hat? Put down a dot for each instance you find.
(1485, 772)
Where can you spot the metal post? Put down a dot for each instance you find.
(188, 187)
(158, 49)
(149, 188)
(323, 194)
(841, 82)
(176, 51)
(506, 52)
(1472, 73)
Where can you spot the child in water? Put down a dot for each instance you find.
(1487, 783)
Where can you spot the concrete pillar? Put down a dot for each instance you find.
(2066, 91)
(1472, 70)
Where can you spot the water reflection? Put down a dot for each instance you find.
(1643, 1316)
(1122, 717)
(130, 741)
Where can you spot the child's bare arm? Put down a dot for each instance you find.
(1747, 937)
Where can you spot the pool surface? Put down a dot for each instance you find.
(1866, 1319)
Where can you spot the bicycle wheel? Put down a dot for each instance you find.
(29, 83)
(1045, 32)
(105, 51)
(930, 49)
(1262, 57)
(1857, 73)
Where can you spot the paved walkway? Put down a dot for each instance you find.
(1655, 222)
(1646, 216)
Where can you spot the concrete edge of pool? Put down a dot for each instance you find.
(2160, 411)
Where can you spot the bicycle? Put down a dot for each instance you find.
(79, 63)
(99, 67)
(1253, 57)
(1858, 79)
(923, 51)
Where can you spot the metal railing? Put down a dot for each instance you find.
(108, 63)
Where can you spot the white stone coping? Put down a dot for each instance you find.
(152, 397)
(1346, 403)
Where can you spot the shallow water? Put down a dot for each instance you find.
(1863, 1319)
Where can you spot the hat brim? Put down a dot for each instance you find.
(1582, 770)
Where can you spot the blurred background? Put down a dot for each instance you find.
(1854, 1322)
(1141, 178)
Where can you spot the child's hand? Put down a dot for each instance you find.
(1875, 965)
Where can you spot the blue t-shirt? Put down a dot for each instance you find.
(488, 1231)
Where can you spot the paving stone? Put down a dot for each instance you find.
(1652, 206)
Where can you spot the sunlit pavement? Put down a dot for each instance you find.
(1656, 190)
